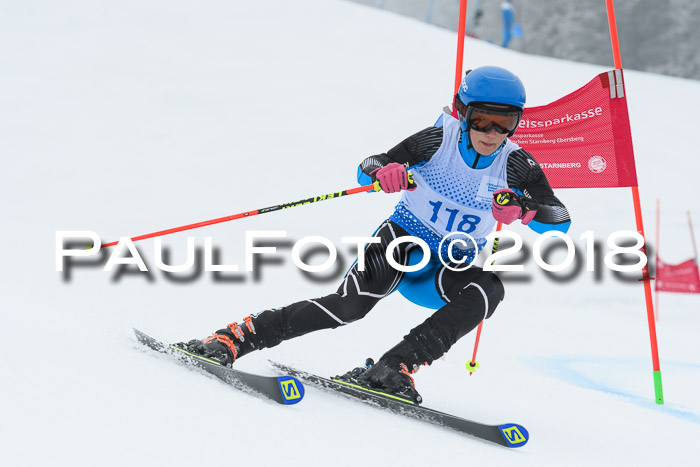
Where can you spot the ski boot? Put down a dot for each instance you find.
(390, 377)
(225, 345)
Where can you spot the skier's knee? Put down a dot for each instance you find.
(493, 287)
(490, 289)
(352, 308)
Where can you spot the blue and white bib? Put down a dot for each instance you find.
(453, 197)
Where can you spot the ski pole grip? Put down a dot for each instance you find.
(411, 183)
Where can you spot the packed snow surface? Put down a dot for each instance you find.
(131, 117)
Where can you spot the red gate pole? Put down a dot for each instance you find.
(640, 228)
(461, 37)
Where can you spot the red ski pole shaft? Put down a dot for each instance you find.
(494, 249)
(255, 212)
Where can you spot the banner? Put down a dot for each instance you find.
(583, 140)
(681, 278)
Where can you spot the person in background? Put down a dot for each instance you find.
(508, 21)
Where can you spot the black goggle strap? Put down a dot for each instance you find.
(461, 108)
(483, 107)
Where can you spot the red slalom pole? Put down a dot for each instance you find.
(658, 390)
(614, 41)
(472, 364)
(255, 212)
(461, 37)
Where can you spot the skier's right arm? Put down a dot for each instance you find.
(414, 150)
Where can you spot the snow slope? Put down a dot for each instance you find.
(126, 118)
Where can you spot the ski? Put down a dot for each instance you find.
(282, 389)
(510, 435)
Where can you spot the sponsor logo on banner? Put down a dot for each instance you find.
(565, 134)
(597, 164)
(560, 165)
(566, 118)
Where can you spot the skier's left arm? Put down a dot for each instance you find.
(532, 191)
(414, 150)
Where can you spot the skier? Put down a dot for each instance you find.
(468, 175)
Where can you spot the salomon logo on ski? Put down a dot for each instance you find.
(515, 435)
(508, 435)
(292, 391)
(281, 389)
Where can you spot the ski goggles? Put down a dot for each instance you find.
(485, 121)
(484, 118)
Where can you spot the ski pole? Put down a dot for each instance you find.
(361, 189)
(473, 365)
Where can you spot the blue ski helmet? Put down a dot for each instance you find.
(489, 85)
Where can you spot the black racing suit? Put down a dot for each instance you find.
(469, 296)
